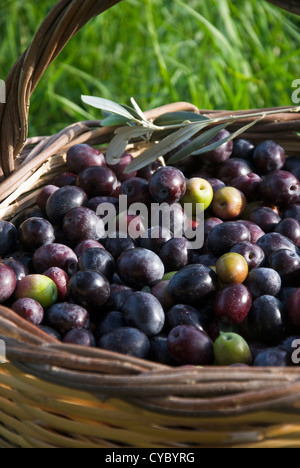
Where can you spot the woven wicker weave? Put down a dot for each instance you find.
(58, 395)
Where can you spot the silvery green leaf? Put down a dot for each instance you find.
(178, 118)
(197, 143)
(165, 146)
(246, 127)
(109, 106)
(113, 120)
(120, 141)
(229, 138)
(132, 111)
(197, 146)
(138, 109)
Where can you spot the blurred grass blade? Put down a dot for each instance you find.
(185, 64)
(109, 106)
(158, 50)
(165, 146)
(177, 118)
(120, 141)
(218, 36)
(72, 108)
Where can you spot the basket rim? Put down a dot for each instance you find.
(284, 126)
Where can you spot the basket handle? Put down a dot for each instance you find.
(63, 22)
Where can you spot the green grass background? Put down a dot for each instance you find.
(217, 54)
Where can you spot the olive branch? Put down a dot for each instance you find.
(180, 127)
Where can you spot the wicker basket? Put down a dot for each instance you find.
(58, 395)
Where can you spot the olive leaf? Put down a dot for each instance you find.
(138, 110)
(183, 125)
(197, 146)
(133, 112)
(165, 146)
(231, 137)
(122, 137)
(197, 143)
(112, 120)
(109, 106)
